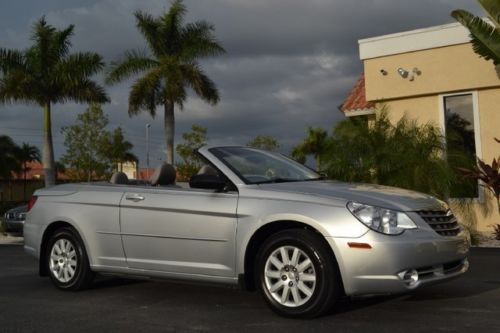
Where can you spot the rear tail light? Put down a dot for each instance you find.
(32, 202)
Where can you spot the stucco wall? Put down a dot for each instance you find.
(443, 70)
(423, 108)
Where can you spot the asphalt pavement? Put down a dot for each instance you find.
(29, 303)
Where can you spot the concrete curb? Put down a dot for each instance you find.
(11, 240)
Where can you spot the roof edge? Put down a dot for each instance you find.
(413, 40)
(359, 112)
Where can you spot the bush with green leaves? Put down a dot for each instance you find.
(191, 162)
(266, 142)
(402, 154)
(92, 151)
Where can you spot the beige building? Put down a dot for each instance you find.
(433, 75)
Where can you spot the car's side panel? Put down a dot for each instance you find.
(179, 230)
(94, 213)
(256, 211)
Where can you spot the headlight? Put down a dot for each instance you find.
(386, 221)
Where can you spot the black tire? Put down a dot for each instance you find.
(327, 287)
(83, 275)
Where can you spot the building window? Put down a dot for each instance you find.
(460, 128)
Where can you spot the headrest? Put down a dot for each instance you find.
(119, 178)
(207, 170)
(163, 175)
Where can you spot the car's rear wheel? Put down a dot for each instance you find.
(297, 274)
(67, 261)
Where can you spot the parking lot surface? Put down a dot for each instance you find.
(29, 303)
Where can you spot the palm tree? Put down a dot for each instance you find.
(120, 150)
(315, 143)
(171, 68)
(9, 162)
(45, 74)
(27, 154)
(485, 35)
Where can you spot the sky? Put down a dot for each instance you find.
(289, 63)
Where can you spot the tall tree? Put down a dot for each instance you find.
(193, 140)
(172, 66)
(9, 161)
(266, 142)
(87, 143)
(27, 154)
(45, 74)
(315, 143)
(93, 152)
(120, 150)
(485, 35)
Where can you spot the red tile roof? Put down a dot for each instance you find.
(356, 100)
(145, 173)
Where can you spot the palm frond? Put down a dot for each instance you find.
(10, 60)
(42, 36)
(61, 42)
(82, 91)
(19, 86)
(171, 28)
(492, 8)
(134, 62)
(146, 93)
(485, 37)
(77, 66)
(149, 27)
(199, 41)
(200, 83)
(173, 19)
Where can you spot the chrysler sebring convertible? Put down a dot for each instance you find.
(250, 218)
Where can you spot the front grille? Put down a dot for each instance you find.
(444, 223)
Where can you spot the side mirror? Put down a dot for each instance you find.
(209, 182)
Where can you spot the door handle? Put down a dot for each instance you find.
(134, 197)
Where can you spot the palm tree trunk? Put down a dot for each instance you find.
(48, 149)
(24, 184)
(169, 131)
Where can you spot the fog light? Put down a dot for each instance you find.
(410, 277)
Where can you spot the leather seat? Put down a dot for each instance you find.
(164, 175)
(207, 170)
(120, 178)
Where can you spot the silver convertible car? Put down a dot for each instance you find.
(251, 218)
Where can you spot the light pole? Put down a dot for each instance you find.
(147, 150)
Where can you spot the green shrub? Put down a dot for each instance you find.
(403, 154)
(496, 231)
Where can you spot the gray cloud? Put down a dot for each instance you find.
(289, 63)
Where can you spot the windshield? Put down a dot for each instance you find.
(255, 166)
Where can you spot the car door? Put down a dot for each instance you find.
(178, 230)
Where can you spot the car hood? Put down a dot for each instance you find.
(376, 195)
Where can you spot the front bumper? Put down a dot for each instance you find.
(385, 268)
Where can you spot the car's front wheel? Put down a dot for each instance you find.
(67, 261)
(297, 274)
